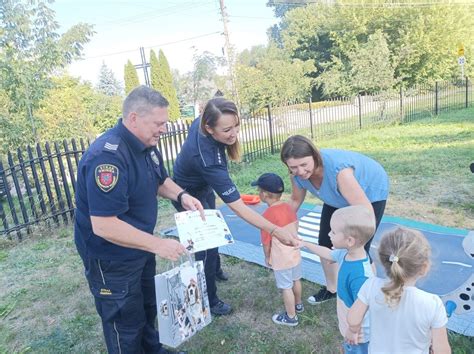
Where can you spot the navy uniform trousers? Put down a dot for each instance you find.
(124, 293)
(209, 257)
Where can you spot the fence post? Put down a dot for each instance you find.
(6, 191)
(15, 220)
(436, 98)
(401, 104)
(47, 186)
(3, 217)
(26, 182)
(360, 110)
(271, 128)
(467, 92)
(311, 117)
(19, 194)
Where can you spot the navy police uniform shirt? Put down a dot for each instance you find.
(202, 163)
(117, 176)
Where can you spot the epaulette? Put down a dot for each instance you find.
(111, 144)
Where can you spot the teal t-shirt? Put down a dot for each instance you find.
(369, 173)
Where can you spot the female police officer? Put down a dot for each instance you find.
(201, 169)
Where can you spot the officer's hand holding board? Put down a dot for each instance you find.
(117, 231)
(188, 202)
(169, 249)
(172, 249)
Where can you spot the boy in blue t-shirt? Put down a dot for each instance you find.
(351, 228)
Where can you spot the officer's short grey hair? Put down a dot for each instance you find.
(143, 99)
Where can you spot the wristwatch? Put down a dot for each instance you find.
(180, 195)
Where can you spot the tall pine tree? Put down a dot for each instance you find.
(162, 81)
(130, 77)
(154, 71)
(108, 84)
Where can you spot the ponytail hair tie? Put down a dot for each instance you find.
(393, 258)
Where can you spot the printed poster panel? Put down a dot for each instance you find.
(198, 235)
(182, 302)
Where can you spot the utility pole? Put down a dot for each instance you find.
(144, 65)
(230, 53)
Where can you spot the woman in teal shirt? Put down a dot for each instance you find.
(339, 178)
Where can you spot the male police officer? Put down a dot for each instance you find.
(118, 180)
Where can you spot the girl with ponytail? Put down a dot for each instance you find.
(403, 318)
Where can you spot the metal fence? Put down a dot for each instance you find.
(38, 185)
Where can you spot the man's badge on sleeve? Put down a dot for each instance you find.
(106, 176)
(155, 158)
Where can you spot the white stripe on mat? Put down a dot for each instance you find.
(311, 256)
(310, 219)
(308, 232)
(308, 225)
(309, 239)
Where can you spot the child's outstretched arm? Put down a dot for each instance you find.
(321, 251)
(354, 319)
(440, 341)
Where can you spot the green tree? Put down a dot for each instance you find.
(162, 81)
(105, 110)
(280, 8)
(12, 125)
(367, 69)
(371, 69)
(421, 40)
(199, 85)
(272, 77)
(130, 77)
(154, 70)
(83, 112)
(31, 50)
(108, 84)
(73, 116)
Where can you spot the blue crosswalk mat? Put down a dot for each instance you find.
(451, 275)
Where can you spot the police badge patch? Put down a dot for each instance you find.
(155, 158)
(106, 177)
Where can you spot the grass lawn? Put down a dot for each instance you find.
(46, 307)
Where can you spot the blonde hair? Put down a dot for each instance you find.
(358, 222)
(405, 253)
(271, 195)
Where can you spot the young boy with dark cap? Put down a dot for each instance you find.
(284, 260)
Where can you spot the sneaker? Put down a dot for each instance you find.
(221, 309)
(321, 296)
(221, 276)
(299, 308)
(285, 320)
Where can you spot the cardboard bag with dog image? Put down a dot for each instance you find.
(182, 302)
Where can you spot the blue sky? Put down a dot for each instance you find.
(179, 28)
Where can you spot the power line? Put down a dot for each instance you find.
(152, 46)
(254, 17)
(150, 15)
(376, 5)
